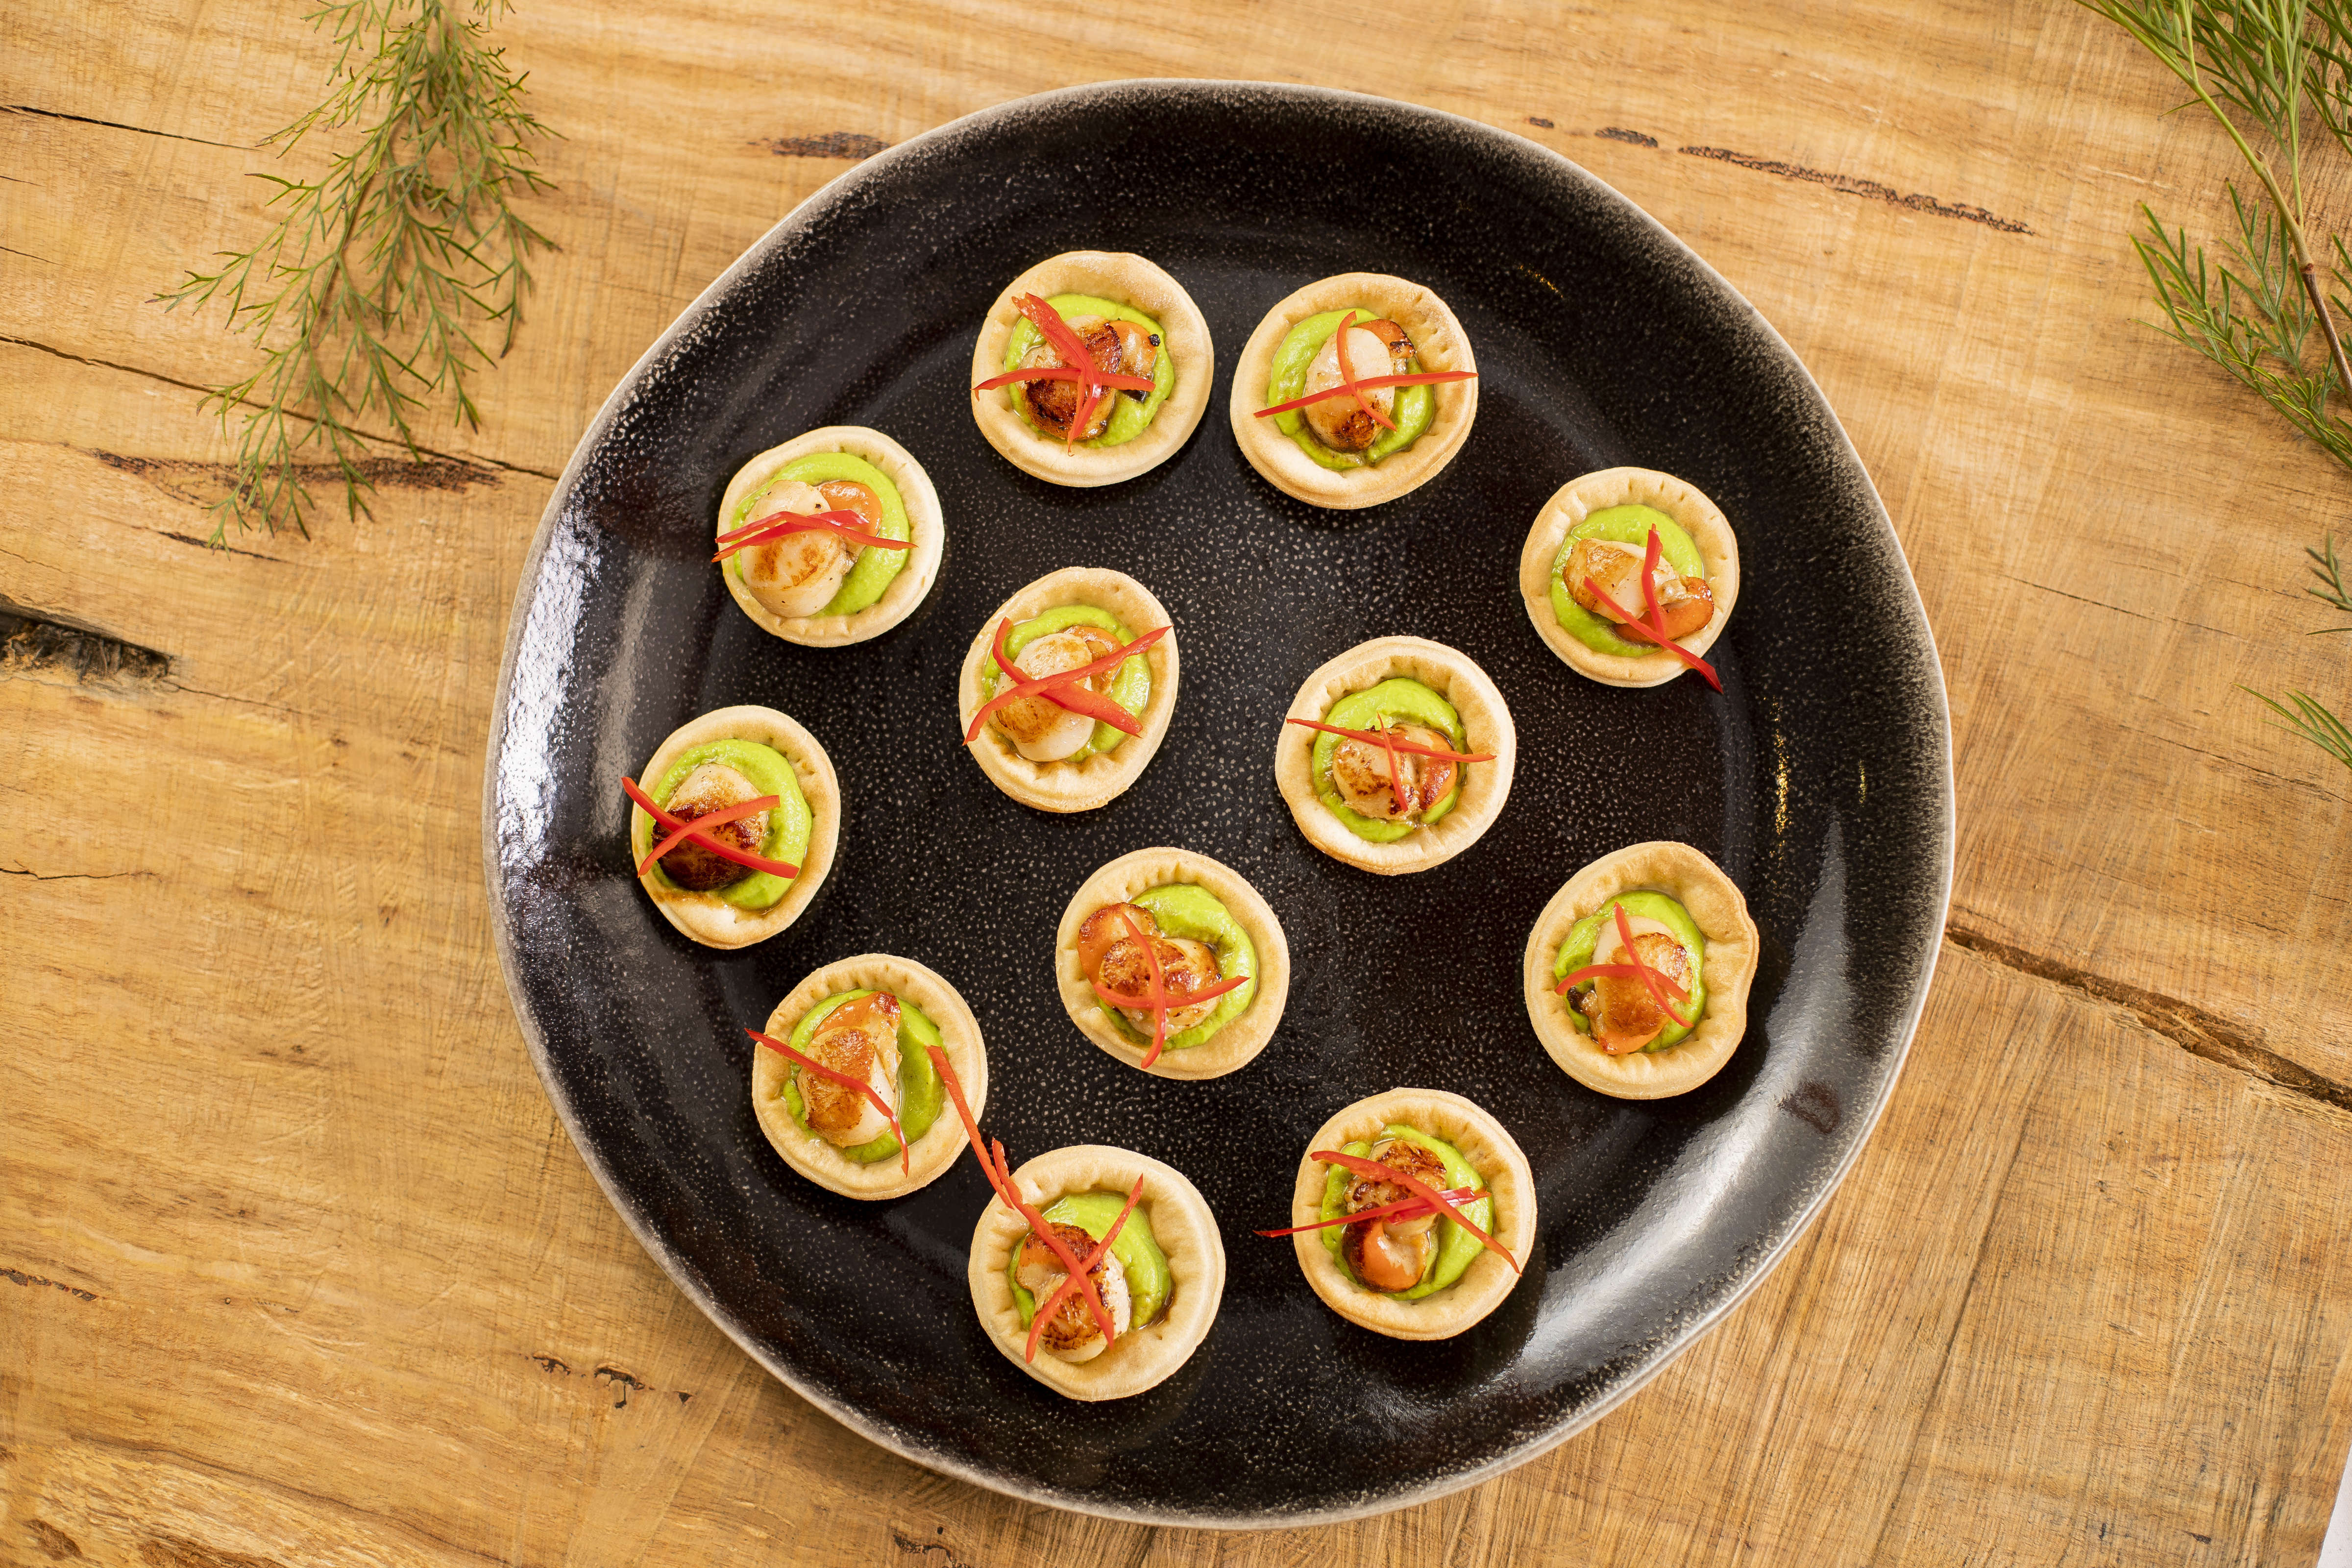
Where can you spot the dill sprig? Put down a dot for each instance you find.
(375, 292)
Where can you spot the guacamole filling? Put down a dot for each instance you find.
(789, 821)
(1400, 699)
(1456, 1246)
(1130, 684)
(1415, 409)
(1130, 416)
(1189, 914)
(1620, 525)
(875, 566)
(1645, 912)
(1137, 1249)
(920, 1094)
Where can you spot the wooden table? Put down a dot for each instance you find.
(296, 1265)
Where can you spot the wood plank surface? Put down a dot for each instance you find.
(296, 1264)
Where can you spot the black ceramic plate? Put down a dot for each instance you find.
(1819, 779)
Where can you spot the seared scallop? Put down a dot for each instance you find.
(859, 1039)
(1072, 1334)
(1686, 603)
(713, 786)
(1039, 728)
(1119, 347)
(799, 575)
(1374, 348)
(1184, 965)
(1624, 1015)
(1360, 773)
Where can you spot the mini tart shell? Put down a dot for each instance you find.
(1128, 280)
(1106, 775)
(1716, 907)
(1492, 1152)
(1181, 1222)
(937, 1149)
(1580, 499)
(1245, 1036)
(1485, 723)
(926, 530)
(1439, 344)
(705, 917)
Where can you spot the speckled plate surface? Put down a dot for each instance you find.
(1820, 779)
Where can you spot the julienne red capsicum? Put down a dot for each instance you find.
(1159, 998)
(1351, 387)
(778, 525)
(1425, 1199)
(1401, 1209)
(1658, 984)
(1077, 364)
(1061, 689)
(698, 830)
(810, 1064)
(1655, 631)
(1389, 742)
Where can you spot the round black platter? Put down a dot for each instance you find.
(1820, 779)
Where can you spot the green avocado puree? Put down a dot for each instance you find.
(1414, 407)
(920, 1092)
(1137, 1249)
(788, 823)
(1397, 698)
(1195, 914)
(875, 566)
(1620, 525)
(1584, 936)
(1130, 684)
(1456, 1247)
(1129, 418)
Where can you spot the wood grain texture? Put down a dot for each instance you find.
(296, 1265)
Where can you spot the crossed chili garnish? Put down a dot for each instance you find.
(1656, 980)
(993, 1165)
(698, 830)
(1425, 1199)
(1061, 689)
(810, 1064)
(1387, 740)
(1159, 998)
(1356, 389)
(1655, 630)
(1077, 364)
(776, 525)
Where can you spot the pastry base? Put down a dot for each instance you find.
(1181, 1222)
(1580, 499)
(1104, 776)
(1485, 722)
(1720, 913)
(1243, 1038)
(1492, 1152)
(1127, 279)
(1438, 343)
(925, 528)
(937, 1149)
(706, 917)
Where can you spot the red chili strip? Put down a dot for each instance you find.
(1656, 982)
(725, 851)
(810, 1064)
(1065, 372)
(778, 525)
(1418, 1188)
(1054, 1303)
(1647, 635)
(1373, 737)
(1075, 354)
(1092, 704)
(715, 819)
(1348, 381)
(1384, 1211)
(1418, 378)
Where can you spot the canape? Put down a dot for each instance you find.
(832, 538)
(1637, 972)
(1629, 576)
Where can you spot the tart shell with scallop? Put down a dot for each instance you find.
(926, 527)
(1243, 1036)
(1486, 726)
(1439, 344)
(1181, 1223)
(929, 1155)
(1728, 968)
(1492, 1152)
(711, 921)
(1580, 499)
(1095, 780)
(1124, 279)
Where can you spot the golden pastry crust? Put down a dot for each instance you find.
(1104, 776)
(1181, 1224)
(925, 530)
(929, 1155)
(706, 917)
(1580, 499)
(1716, 907)
(1126, 279)
(1485, 723)
(1439, 344)
(1242, 1039)
(1492, 1152)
